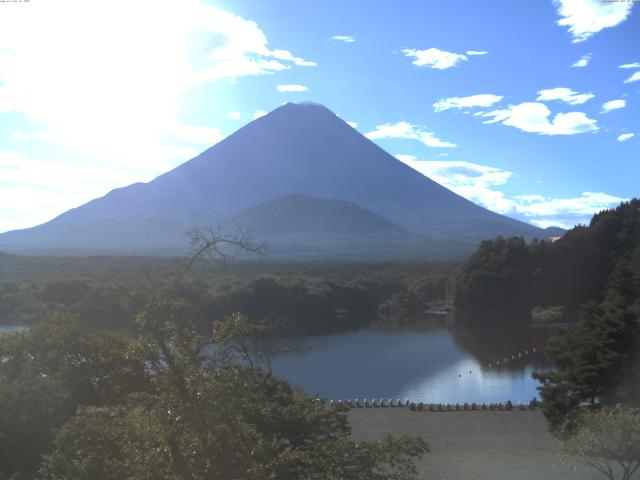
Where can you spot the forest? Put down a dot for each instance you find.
(510, 274)
(307, 298)
(592, 276)
(111, 380)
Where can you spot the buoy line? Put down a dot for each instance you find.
(515, 356)
(431, 407)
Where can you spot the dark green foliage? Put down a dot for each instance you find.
(45, 374)
(425, 292)
(593, 274)
(308, 306)
(497, 275)
(217, 416)
(513, 275)
(307, 297)
(597, 362)
(31, 409)
(65, 291)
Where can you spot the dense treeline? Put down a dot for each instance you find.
(89, 406)
(304, 297)
(597, 363)
(593, 274)
(172, 400)
(510, 274)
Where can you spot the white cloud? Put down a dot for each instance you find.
(479, 183)
(343, 38)
(534, 118)
(118, 95)
(630, 65)
(633, 78)
(35, 191)
(564, 94)
(286, 55)
(407, 131)
(184, 45)
(625, 136)
(587, 17)
(529, 198)
(434, 58)
(258, 113)
(613, 105)
(583, 62)
(352, 124)
(583, 206)
(480, 100)
(234, 115)
(103, 92)
(476, 52)
(292, 88)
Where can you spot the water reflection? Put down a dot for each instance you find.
(11, 328)
(428, 365)
(493, 346)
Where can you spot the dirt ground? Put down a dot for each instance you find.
(474, 445)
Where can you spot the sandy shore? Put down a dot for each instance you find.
(475, 445)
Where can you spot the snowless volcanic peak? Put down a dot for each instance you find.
(298, 148)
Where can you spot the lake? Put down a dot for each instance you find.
(423, 366)
(432, 365)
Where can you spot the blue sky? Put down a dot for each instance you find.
(529, 108)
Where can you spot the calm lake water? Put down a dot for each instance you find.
(432, 365)
(427, 366)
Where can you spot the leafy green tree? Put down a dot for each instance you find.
(65, 291)
(217, 415)
(597, 361)
(509, 274)
(46, 372)
(608, 440)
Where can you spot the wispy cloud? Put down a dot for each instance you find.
(292, 88)
(343, 38)
(258, 113)
(480, 100)
(564, 94)
(481, 183)
(434, 58)
(584, 18)
(625, 136)
(287, 56)
(408, 131)
(234, 115)
(583, 62)
(613, 105)
(534, 118)
(476, 52)
(352, 124)
(630, 65)
(633, 78)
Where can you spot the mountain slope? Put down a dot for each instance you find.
(296, 148)
(299, 213)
